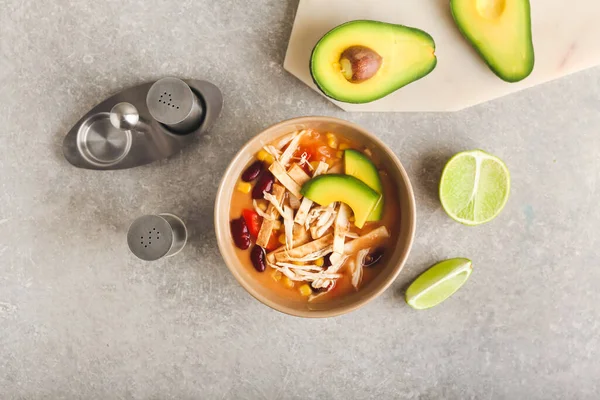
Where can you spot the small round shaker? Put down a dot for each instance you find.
(151, 237)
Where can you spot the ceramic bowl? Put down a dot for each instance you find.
(401, 243)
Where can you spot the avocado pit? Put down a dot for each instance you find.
(359, 63)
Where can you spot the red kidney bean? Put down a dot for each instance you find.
(252, 172)
(327, 261)
(257, 255)
(264, 184)
(373, 257)
(240, 233)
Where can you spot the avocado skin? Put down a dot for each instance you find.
(424, 72)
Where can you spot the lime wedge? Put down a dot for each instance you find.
(474, 187)
(438, 283)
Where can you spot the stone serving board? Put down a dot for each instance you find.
(566, 37)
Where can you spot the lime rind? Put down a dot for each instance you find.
(437, 283)
(470, 208)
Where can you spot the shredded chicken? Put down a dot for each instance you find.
(371, 239)
(307, 164)
(308, 267)
(306, 203)
(275, 203)
(260, 212)
(341, 228)
(316, 275)
(313, 215)
(291, 149)
(272, 151)
(356, 267)
(334, 268)
(321, 228)
(286, 139)
(306, 249)
(304, 160)
(268, 224)
(297, 274)
(312, 256)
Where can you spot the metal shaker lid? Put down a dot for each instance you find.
(150, 237)
(170, 101)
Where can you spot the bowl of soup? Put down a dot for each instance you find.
(315, 216)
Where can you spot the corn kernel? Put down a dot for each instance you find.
(330, 135)
(339, 154)
(262, 155)
(282, 239)
(333, 143)
(319, 262)
(287, 282)
(244, 187)
(305, 290)
(344, 146)
(276, 275)
(269, 159)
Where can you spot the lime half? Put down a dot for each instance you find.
(474, 187)
(438, 283)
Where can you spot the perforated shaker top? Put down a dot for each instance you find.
(150, 237)
(170, 101)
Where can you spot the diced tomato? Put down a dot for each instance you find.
(273, 241)
(253, 221)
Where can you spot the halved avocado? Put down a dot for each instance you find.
(359, 166)
(362, 61)
(500, 31)
(325, 189)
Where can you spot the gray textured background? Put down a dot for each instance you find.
(80, 317)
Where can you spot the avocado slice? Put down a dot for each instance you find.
(325, 189)
(500, 31)
(362, 61)
(360, 166)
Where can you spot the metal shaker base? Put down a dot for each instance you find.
(100, 143)
(94, 143)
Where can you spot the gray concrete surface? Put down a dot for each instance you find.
(80, 317)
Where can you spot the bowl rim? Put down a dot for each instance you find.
(398, 264)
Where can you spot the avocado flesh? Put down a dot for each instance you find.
(500, 31)
(359, 166)
(408, 54)
(326, 189)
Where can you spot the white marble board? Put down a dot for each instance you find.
(566, 38)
